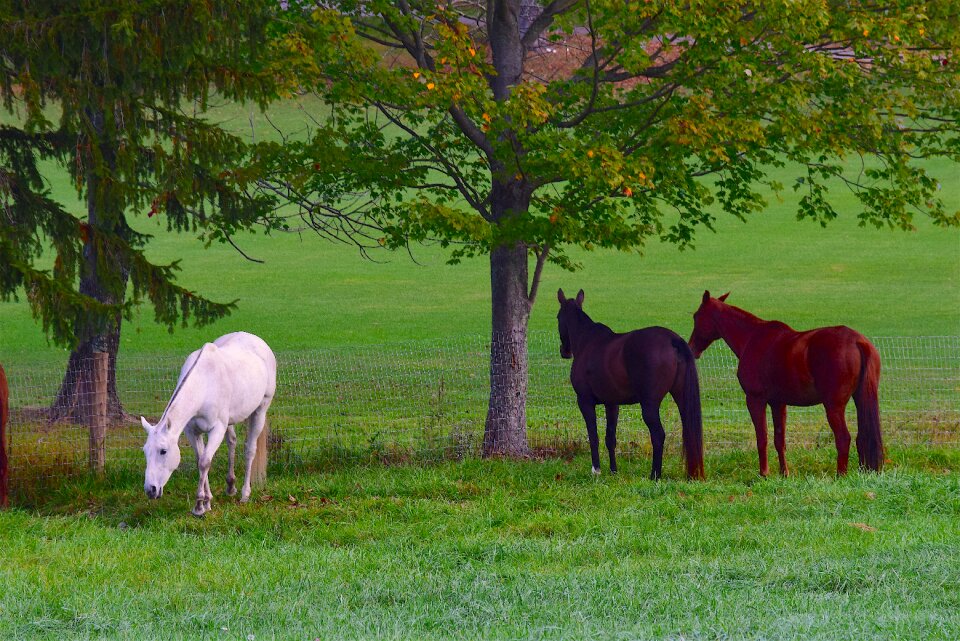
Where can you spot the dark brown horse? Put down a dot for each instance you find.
(4, 415)
(780, 366)
(642, 367)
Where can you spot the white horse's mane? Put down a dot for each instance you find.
(180, 384)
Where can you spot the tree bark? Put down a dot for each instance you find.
(505, 431)
(529, 11)
(66, 406)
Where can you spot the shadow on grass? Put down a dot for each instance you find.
(117, 495)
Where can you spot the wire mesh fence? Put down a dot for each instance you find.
(428, 400)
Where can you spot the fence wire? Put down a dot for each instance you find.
(428, 400)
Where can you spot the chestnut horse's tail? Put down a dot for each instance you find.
(867, 400)
(691, 417)
(4, 416)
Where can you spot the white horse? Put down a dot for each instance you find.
(221, 384)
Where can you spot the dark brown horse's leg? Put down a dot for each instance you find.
(651, 416)
(838, 423)
(758, 414)
(613, 413)
(779, 435)
(589, 410)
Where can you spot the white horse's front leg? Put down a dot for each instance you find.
(204, 495)
(231, 457)
(254, 428)
(196, 441)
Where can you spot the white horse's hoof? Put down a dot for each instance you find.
(596, 471)
(231, 489)
(198, 512)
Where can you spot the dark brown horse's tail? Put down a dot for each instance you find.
(867, 400)
(4, 416)
(690, 415)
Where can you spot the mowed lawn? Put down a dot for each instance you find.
(496, 549)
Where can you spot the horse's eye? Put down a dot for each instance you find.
(163, 452)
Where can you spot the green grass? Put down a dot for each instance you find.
(494, 549)
(536, 549)
(311, 293)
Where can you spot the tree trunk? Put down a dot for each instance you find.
(67, 406)
(97, 335)
(505, 432)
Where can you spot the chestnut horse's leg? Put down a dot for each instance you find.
(651, 416)
(589, 410)
(779, 435)
(838, 423)
(613, 414)
(758, 414)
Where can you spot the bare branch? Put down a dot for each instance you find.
(537, 272)
(544, 20)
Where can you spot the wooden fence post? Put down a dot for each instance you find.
(94, 398)
(258, 472)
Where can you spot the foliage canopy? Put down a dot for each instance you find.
(658, 114)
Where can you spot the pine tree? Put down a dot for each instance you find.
(107, 92)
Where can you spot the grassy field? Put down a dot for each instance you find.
(311, 293)
(533, 549)
(538, 550)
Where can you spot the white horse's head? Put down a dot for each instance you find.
(163, 456)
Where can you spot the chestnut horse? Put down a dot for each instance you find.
(4, 415)
(641, 366)
(780, 366)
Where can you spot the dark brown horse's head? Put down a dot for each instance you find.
(705, 329)
(570, 310)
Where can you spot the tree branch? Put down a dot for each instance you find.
(537, 272)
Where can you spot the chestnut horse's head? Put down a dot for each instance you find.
(705, 329)
(570, 310)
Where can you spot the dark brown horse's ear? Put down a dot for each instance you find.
(724, 297)
(560, 296)
(580, 298)
(706, 295)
